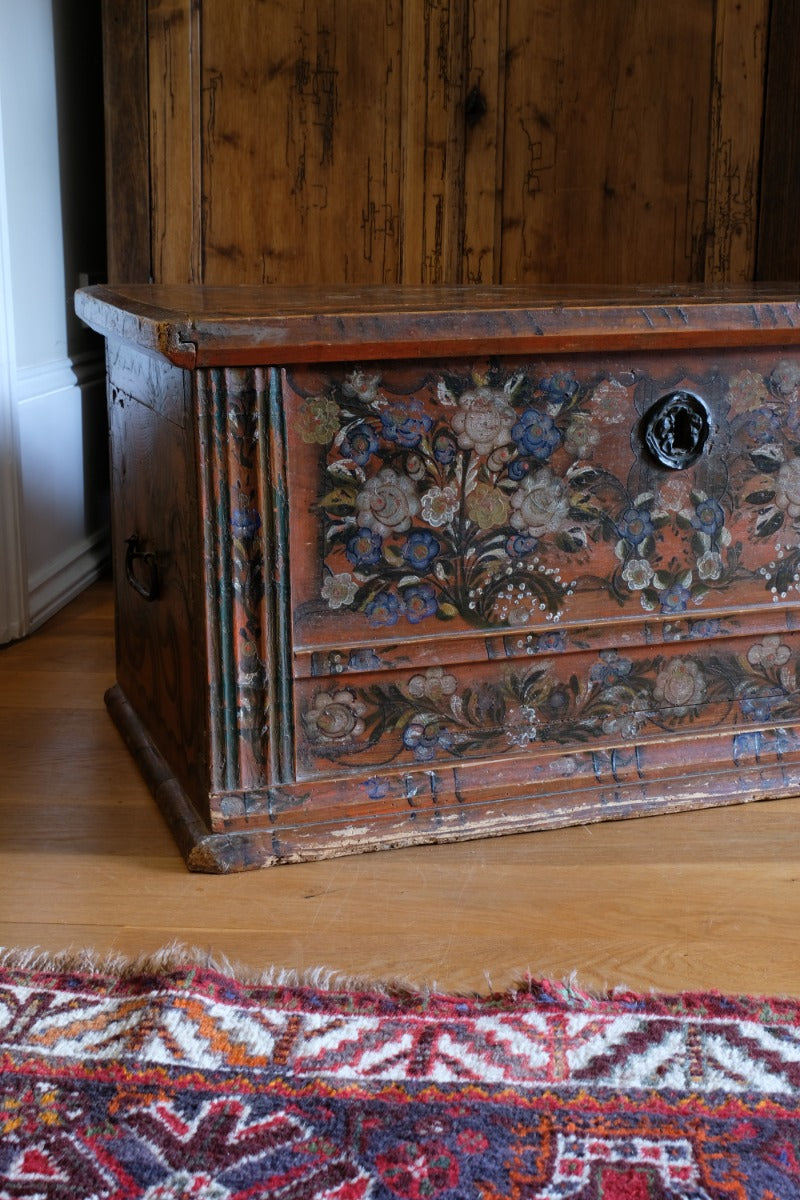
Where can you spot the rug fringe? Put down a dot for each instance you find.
(177, 957)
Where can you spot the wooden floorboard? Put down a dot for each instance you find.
(701, 900)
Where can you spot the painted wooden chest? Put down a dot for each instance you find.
(402, 565)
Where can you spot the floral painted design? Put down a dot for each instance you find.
(440, 715)
(497, 494)
(483, 421)
(335, 717)
(387, 503)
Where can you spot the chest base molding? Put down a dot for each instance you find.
(720, 771)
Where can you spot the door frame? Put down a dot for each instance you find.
(14, 612)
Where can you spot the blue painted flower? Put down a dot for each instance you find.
(549, 643)
(420, 602)
(365, 547)
(376, 787)
(360, 443)
(405, 424)
(758, 701)
(518, 469)
(420, 549)
(536, 435)
(763, 425)
(611, 669)
(426, 735)
(363, 660)
(557, 703)
(674, 599)
(707, 628)
(520, 544)
(245, 522)
(709, 516)
(385, 609)
(444, 448)
(559, 388)
(635, 525)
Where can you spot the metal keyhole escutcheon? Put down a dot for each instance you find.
(676, 429)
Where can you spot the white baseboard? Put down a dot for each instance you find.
(66, 577)
(44, 379)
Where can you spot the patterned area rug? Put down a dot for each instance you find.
(187, 1083)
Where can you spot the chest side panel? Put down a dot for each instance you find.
(156, 558)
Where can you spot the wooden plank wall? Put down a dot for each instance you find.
(779, 229)
(431, 141)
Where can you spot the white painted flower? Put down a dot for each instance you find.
(540, 504)
(499, 458)
(359, 383)
(433, 685)
(638, 574)
(339, 590)
(387, 502)
(334, 717)
(439, 505)
(675, 495)
(709, 566)
(680, 685)
(627, 719)
(415, 466)
(610, 400)
(787, 487)
(520, 725)
(483, 421)
(771, 652)
(786, 377)
(582, 435)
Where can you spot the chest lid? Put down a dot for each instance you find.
(196, 326)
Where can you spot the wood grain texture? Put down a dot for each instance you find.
(442, 141)
(301, 158)
(484, 87)
(702, 900)
(433, 140)
(154, 489)
(779, 233)
(737, 110)
(175, 179)
(606, 141)
(127, 140)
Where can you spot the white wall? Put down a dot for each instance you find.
(51, 144)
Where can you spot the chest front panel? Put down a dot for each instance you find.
(450, 517)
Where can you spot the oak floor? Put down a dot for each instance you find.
(705, 900)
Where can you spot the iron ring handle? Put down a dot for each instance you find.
(676, 429)
(148, 589)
